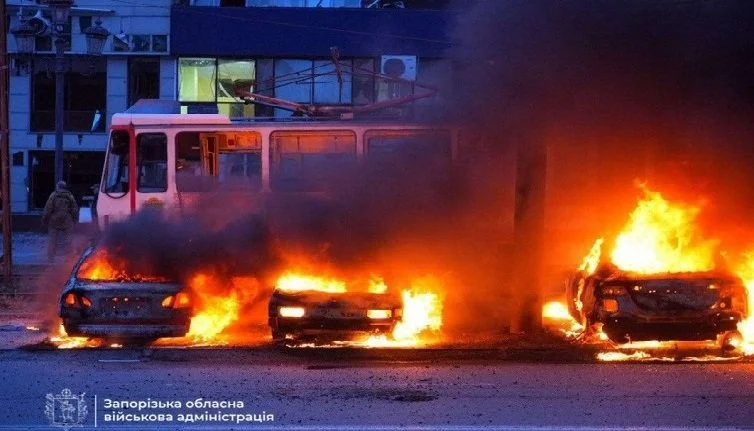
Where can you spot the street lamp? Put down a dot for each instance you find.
(60, 11)
(96, 36)
(95, 42)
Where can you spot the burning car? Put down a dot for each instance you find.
(686, 306)
(103, 300)
(304, 307)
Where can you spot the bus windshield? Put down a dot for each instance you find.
(116, 164)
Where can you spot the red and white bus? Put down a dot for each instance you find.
(176, 157)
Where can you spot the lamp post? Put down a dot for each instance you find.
(96, 36)
(60, 11)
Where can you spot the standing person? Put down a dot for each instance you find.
(60, 214)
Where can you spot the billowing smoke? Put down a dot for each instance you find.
(563, 105)
(609, 92)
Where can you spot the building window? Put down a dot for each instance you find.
(206, 84)
(204, 81)
(232, 3)
(143, 79)
(307, 81)
(196, 80)
(140, 43)
(85, 93)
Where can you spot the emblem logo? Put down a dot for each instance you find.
(66, 410)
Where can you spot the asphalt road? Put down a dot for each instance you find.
(340, 390)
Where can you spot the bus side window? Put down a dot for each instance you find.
(188, 162)
(152, 170)
(116, 165)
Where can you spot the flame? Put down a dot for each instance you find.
(620, 356)
(297, 282)
(661, 236)
(293, 282)
(422, 311)
(555, 315)
(102, 265)
(217, 308)
(63, 341)
(746, 327)
(592, 259)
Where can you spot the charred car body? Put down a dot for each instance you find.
(693, 306)
(311, 314)
(96, 303)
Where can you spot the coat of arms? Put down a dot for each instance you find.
(66, 410)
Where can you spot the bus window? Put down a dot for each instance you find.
(152, 150)
(241, 169)
(116, 164)
(308, 160)
(410, 146)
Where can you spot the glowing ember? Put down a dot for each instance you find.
(555, 315)
(104, 266)
(32, 328)
(620, 356)
(662, 237)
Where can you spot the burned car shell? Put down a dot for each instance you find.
(332, 315)
(692, 306)
(123, 310)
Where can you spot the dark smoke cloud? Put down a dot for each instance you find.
(614, 91)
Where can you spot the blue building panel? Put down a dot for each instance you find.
(307, 32)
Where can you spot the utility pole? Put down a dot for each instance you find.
(7, 258)
(529, 227)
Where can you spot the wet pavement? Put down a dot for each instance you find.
(432, 388)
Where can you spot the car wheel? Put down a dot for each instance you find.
(729, 341)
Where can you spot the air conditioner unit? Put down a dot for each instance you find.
(399, 66)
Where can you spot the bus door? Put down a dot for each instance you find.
(133, 154)
(151, 170)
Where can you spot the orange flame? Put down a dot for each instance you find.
(296, 282)
(63, 341)
(102, 265)
(217, 308)
(555, 315)
(746, 327)
(422, 311)
(592, 260)
(661, 236)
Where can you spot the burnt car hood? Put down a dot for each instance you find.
(115, 287)
(356, 300)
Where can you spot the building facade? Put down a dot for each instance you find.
(136, 63)
(193, 51)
